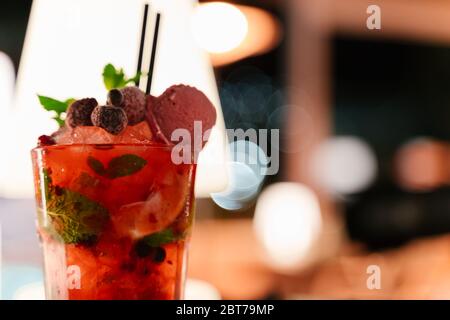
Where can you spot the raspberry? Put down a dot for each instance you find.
(112, 119)
(134, 104)
(79, 112)
(45, 141)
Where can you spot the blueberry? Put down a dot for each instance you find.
(158, 254)
(115, 98)
(143, 250)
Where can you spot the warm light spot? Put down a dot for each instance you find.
(344, 165)
(422, 165)
(288, 223)
(264, 33)
(219, 27)
(200, 290)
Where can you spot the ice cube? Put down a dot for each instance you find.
(137, 134)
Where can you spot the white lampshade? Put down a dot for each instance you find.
(67, 44)
(6, 96)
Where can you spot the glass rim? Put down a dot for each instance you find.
(105, 146)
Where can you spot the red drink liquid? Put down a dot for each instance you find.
(114, 220)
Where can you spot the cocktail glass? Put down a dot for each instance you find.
(114, 220)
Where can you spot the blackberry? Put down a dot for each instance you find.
(112, 119)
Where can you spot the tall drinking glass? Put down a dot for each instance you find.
(114, 220)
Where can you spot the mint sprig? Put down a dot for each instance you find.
(59, 108)
(73, 217)
(115, 78)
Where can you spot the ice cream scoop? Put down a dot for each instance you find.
(179, 107)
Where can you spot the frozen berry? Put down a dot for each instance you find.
(115, 97)
(79, 112)
(112, 119)
(45, 141)
(158, 254)
(134, 103)
(144, 250)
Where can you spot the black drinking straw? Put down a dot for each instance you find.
(152, 59)
(141, 47)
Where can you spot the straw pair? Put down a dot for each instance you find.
(145, 41)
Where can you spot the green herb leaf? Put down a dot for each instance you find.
(58, 120)
(51, 104)
(68, 102)
(114, 78)
(118, 167)
(160, 238)
(125, 165)
(73, 217)
(59, 108)
(135, 79)
(96, 165)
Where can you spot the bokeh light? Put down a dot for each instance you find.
(31, 291)
(219, 27)
(422, 164)
(288, 223)
(6, 82)
(7, 79)
(200, 290)
(344, 165)
(247, 169)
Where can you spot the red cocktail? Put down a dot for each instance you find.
(115, 193)
(114, 220)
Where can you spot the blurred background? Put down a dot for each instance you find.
(364, 129)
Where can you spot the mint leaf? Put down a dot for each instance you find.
(160, 238)
(125, 165)
(118, 167)
(68, 102)
(59, 120)
(96, 165)
(51, 104)
(114, 78)
(73, 217)
(135, 79)
(59, 108)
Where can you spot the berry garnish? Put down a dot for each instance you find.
(158, 254)
(79, 112)
(115, 98)
(144, 250)
(112, 119)
(134, 104)
(44, 141)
